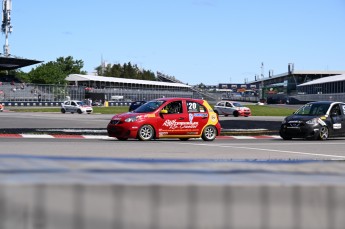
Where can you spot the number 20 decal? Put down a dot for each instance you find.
(191, 106)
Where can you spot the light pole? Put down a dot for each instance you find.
(6, 26)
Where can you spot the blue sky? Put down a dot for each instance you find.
(197, 41)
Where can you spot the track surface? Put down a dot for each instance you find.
(92, 181)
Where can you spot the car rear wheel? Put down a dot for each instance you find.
(63, 110)
(146, 132)
(209, 133)
(323, 133)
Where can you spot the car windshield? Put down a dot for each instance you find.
(313, 109)
(237, 104)
(149, 106)
(81, 103)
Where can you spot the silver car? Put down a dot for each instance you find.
(75, 106)
(231, 108)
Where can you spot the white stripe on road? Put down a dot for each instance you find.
(336, 157)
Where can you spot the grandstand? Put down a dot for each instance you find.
(104, 88)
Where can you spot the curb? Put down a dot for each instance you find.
(104, 137)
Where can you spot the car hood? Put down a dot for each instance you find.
(131, 114)
(302, 118)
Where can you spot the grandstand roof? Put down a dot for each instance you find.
(79, 77)
(10, 63)
(328, 79)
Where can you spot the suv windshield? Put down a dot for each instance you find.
(149, 106)
(313, 109)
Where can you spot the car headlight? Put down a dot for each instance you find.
(312, 121)
(131, 119)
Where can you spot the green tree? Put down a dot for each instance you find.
(53, 72)
(70, 66)
(127, 70)
(49, 73)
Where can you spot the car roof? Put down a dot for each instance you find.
(226, 101)
(177, 98)
(326, 102)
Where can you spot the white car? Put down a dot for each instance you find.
(231, 108)
(75, 106)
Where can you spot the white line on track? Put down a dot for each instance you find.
(335, 157)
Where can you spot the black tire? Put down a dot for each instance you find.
(236, 114)
(79, 111)
(323, 133)
(184, 139)
(209, 133)
(285, 137)
(63, 111)
(146, 132)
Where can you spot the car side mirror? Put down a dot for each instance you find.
(164, 112)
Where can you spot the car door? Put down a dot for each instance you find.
(337, 115)
(227, 108)
(74, 106)
(67, 106)
(174, 121)
(197, 117)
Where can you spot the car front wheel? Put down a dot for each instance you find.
(323, 133)
(145, 133)
(63, 110)
(209, 133)
(79, 111)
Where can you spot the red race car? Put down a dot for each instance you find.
(182, 118)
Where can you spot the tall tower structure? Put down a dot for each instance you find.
(6, 26)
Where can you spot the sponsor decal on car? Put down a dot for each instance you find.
(163, 133)
(321, 122)
(150, 116)
(337, 126)
(201, 115)
(172, 124)
(192, 133)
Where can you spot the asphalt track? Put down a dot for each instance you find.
(13, 122)
(63, 172)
